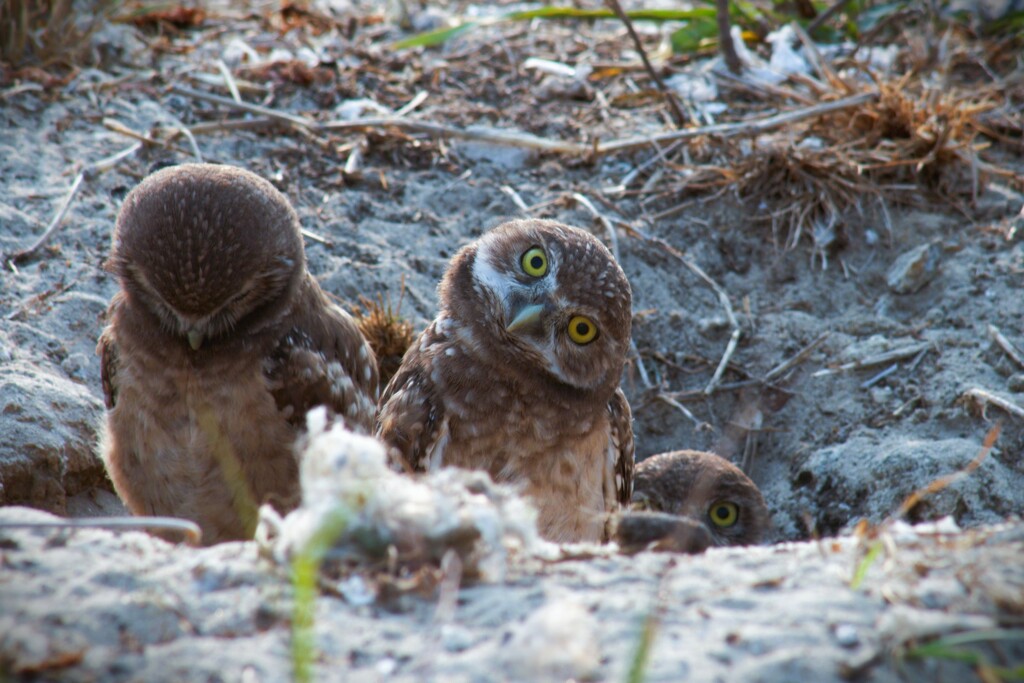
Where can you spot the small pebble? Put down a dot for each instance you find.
(913, 269)
(712, 325)
(356, 592)
(456, 638)
(881, 395)
(1016, 383)
(75, 366)
(847, 636)
(386, 666)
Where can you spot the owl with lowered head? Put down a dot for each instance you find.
(217, 344)
(518, 375)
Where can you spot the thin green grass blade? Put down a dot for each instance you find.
(635, 15)
(1011, 24)
(865, 564)
(436, 37)
(951, 648)
(439, 36)
(981, 636)
(694, 35)
(871, 17)
(305, 570)
(645, 639)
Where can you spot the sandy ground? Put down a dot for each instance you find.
(135, 608)
(827, 448)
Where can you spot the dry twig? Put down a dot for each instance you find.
(667, 398)
(677, 114)
(613, 238)
(985, 398)
(1006, 345)
(877, 359)
(826, 15)
(800, 356)
(89, 172)
(723, 300)
(748, 127)
(732, 60)
(942, 482)
(189, 530)
(528, 141)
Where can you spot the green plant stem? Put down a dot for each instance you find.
(305, 570)
(874, 550)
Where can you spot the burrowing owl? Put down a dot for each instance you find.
(705, 488)
(519, 375)
(217, 344)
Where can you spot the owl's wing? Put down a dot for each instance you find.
(323, 359)
(411, 414)
(620, 446)
(106, 349)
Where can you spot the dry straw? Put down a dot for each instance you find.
(48, 33)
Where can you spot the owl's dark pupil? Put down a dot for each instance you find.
(536, 262)
(722, 512)
(582, 329)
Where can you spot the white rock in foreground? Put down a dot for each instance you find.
(349, 492)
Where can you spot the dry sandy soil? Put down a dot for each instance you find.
(828, 444)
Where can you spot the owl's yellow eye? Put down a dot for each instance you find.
(582, 329)
(535, 262)
(724, 513)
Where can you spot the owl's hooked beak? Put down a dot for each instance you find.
(527, 318)
(195, 339)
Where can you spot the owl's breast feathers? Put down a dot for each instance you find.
(189, 431)
(314, 354)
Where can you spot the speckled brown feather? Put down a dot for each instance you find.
(310, 363)
(410, 423)
(688, 483)
(622, 437)
(207, 433)
(472, 394)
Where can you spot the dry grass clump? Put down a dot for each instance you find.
(912, 142)
(805, 189)
(926, 136)
(388, 333)
(45, 33)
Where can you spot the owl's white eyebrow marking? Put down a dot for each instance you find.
(486, 275)
(501, 284)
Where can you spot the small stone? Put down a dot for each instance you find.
(386, 666)
(913, 269)
(509, 157)
(847, 636)
(75, 366)
(1016, 383)
(881, 395)
(712, 325)
(356, 592)
(456, 638)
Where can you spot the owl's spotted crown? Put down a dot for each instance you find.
(204, 245)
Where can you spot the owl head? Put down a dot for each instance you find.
(706, 488)
(547, 299)
(207, 249)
